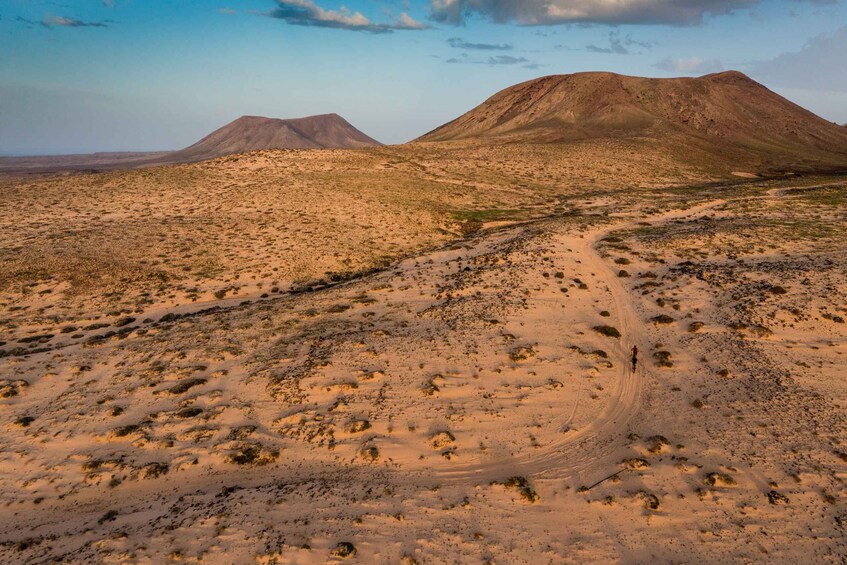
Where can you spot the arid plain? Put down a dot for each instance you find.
(420, 354)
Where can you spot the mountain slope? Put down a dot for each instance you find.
(726, 115)
(249, 133)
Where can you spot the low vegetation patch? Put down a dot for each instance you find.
(343, 550)
(252, 454)
(521, 353)
(186, 385)
(663, 359)
(716, 479)
(521, 484)
(608, 331)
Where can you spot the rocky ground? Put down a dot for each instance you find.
(450, 384)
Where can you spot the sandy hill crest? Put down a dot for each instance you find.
(249, 133)
(723, 113)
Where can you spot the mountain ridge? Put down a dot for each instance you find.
(719, 113)
(249, 133)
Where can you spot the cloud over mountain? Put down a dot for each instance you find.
(689, 65)
(819, 64)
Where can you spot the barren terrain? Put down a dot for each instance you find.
(420, 354)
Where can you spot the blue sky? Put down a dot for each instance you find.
(95, 75)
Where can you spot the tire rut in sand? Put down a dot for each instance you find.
(588, 448)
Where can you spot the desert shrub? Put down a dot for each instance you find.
(651, 501)
(636, 463)
(154, 470)
(24, 421)
(429, 388)
(125, 321)
(108, 517)
(369, 453)
(442, 439)
(608, 331)
(521, 353)
(521, 484)
(343, 550)
(358, 426)
(124, 431)
(775, 497)
(252, 454)
(719, 479)
(184, 386)
(663, 358)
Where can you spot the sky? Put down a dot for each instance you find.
(79, 76)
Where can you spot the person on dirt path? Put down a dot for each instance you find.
(634, 356)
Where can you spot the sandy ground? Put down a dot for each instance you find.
(470, 400)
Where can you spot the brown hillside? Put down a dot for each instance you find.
(249, 133)
(723, 118)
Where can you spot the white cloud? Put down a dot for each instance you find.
(548, 12)
(821, 64)
(307, 13)
(690, 65)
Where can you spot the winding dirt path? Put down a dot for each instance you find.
(580, 452)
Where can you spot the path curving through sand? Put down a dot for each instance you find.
(581, 453)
